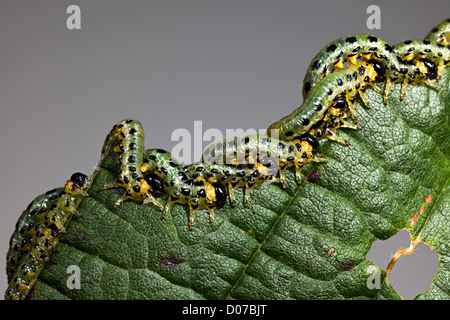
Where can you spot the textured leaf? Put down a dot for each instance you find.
(308, 241)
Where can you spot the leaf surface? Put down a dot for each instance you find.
(307, 241)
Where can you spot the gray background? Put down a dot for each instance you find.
(231, 64)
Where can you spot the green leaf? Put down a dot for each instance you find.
(307, 241)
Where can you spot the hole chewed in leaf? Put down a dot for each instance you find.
(412, 266)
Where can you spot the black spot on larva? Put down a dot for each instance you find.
(289, 133)
(361, 70)
(132, 159)
(291, 148)
(407, 42)
(372, 38)
(314, 176)
(305, 121)
(316, 65)
(186, 191)
(201, 193)
(133, 131)
(318, 107)
(350, 40)
(331, 48)
(329, 91)
(349, 77)
(346, 264)
(171, 260)
(132, 146)
(307, 86)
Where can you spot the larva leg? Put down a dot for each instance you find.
(404, 90)
(350, 125)
(167, 208)
(282, 179)
(364, 98)
(232, 195)
(247, 194)
(333, 136)
(433, 84)
(211, 217)
(377, 88)
(192, 213)
(387, 90)
(298, 173)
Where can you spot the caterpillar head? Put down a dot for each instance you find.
(155, 183)
(79, 179)
(340, 103)
(76, 183)
(221, 195)
(428, 68)
(379, 68)
(313, 142)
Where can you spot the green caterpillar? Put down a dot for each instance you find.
(250, 161)
(440, 34)
(332, 120)
(430, 59)
(346, 84)
(202, 186)
(349, 49)
(24, 236)
(402, 66)
(37, 233)
(163, 173)
(129, 136)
